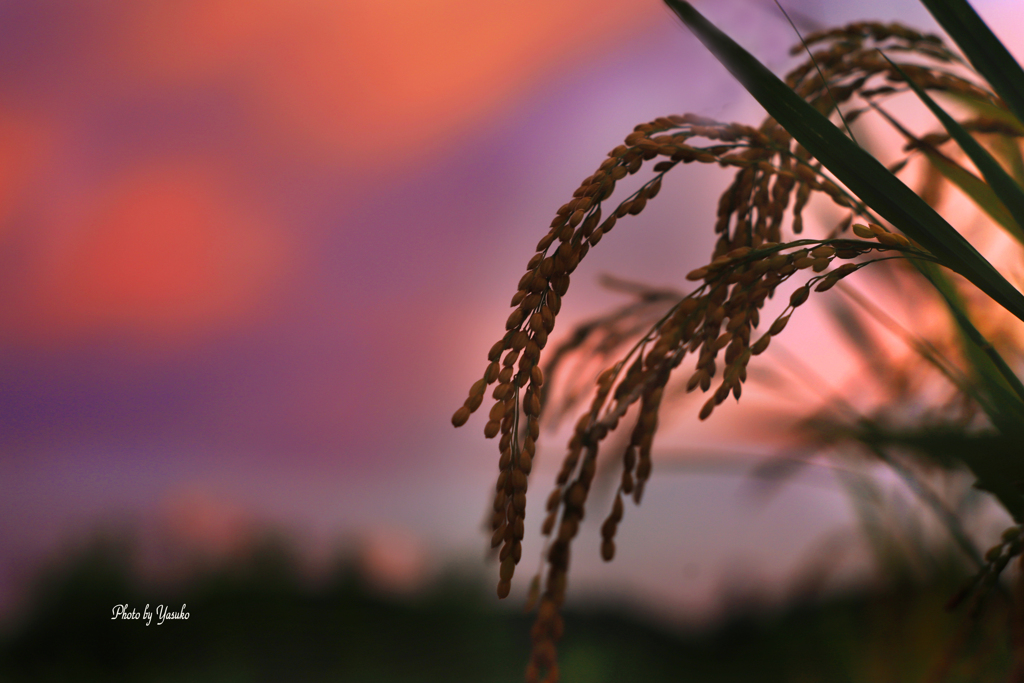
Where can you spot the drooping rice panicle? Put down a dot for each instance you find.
(717, 322)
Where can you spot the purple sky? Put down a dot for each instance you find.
(207, 297)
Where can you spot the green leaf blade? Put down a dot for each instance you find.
(975, 188)
(984, 51)
(1006, 188)
(864, 175)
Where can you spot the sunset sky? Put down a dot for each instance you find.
(254, 255)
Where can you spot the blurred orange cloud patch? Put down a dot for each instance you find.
(27, 144)
(364, 77)
(163, 251)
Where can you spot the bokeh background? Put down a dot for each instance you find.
(253, 254)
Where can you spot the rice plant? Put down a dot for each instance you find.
(805, 148)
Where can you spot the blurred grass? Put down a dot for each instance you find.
(261, 620)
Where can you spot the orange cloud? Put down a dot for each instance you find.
(165, 250)
(369, 78)
(27, 143)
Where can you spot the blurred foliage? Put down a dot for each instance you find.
(262, 619)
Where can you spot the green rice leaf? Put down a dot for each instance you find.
(975, 188)
(985, 108)
(992, 457)
(1009, 192)
(1005, 389)
(1009, 150)
(864, 175)
(984, 51)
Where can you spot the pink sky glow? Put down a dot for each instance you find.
(254, 255)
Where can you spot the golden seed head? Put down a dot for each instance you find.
(554, 499)
(778, 325)
(804, 262)
(525, 462)
(461, 416)
(705, 412)
(705, 381)
(567, 529)
(607, 550)
(820, 264)
(824, 251)
(698, 274)
(473, 402)
(518, 530)
(503, 589)
(694, 380)
(827, 283)
(498, 409)
(547, 318)
(576, 495)
(514, 320)
(502, 391)
(630, 457)
(495, 352)
(554, 302)
(491, 429)
(863, 231)
(799, 296)
(560, 283)
(519, 340)
(761, 344)
(532, 406)
(888, 239)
